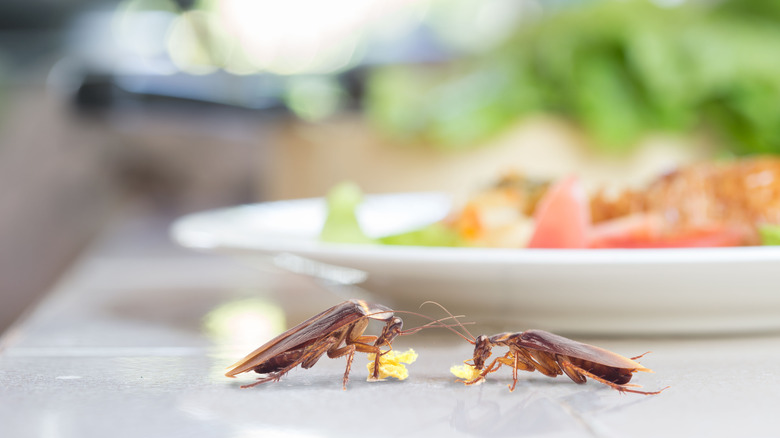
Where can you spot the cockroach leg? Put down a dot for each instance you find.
(272, 377)
(514, 374)
(261, 380)
(569, 367)
(474, 381)
(369, 345)
(543, 362)
(349, 351)
(307, 360)
(316, 353)
(517, 362)
(573, 373)
(507, 359)
(493, 366)
(375, 374)
(359, 344)
(349, 367)
(640, 356)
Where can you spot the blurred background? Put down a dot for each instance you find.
(169, 107)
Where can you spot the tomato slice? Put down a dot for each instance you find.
(563, 221)
(626, 231)
(562, 217)
(646, 231)
(700, 238)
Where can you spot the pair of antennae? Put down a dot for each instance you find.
(471, 339)
(439, 322)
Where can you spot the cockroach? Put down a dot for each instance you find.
(337, 332)
(553, 355)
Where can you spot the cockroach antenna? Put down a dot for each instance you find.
(455, 318)
(434, 323)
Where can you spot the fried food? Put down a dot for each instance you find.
(742, 194)
(727, 198)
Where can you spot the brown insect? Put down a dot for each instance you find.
(336, 332)
(553, 355)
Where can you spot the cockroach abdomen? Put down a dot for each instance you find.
(278, 362)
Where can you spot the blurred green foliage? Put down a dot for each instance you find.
(619, 69)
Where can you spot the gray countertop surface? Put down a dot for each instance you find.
(135, 338)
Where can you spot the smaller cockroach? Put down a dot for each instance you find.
(337, 332)
(553, 355)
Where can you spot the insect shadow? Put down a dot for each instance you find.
(533, 414)
(538, 413)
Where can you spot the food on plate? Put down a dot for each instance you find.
(341, 225)
(500, 216)
(731, 199)
(770, 234)
(703, 205)
(391, 364)
(709, 204)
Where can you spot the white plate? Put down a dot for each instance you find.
(605, 292)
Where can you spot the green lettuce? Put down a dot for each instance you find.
(770, 234)
(342, 225)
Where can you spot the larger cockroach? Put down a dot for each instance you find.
(337, 332)
(553, 355)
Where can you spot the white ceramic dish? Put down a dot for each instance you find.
(603, 292)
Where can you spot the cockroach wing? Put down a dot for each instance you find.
(555, 344)
(309, 331)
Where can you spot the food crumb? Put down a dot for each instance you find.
(391, 364)
(465, 372)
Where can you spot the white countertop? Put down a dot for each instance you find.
(118, 348)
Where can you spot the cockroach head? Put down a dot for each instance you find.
(390, 331)
(482, 347)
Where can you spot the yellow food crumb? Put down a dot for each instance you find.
(391, 364)
(465, 372)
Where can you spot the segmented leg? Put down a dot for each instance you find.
(517, 362)
(497, 362)
(377, 357)
(523, 363)
(349, 350)
(308, 358)
(638, 357)
(494, 366)
(571, 369)
(361, 344)
(543, 362)
(315, 352)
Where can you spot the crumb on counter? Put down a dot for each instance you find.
(465, 372)
(391, 364)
